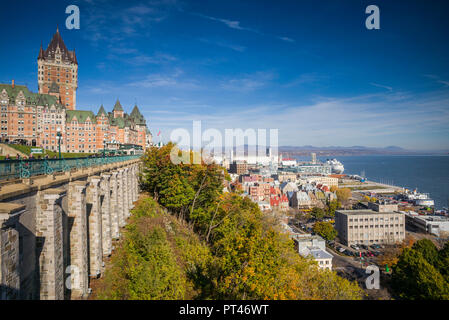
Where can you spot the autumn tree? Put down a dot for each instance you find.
(391, 253)
(343, 195)
(250, 256)
(325, 230)
(332, 206)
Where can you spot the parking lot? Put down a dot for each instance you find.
(362, 253)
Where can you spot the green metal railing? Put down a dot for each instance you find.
(22, 169)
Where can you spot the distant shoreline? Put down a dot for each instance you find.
(340, 154)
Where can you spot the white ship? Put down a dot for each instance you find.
(337, 166)
(419, 199)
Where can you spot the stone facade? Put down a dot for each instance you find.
(65, 228)
(9, 252)
(115, 228)
(49, 238)
(95, 231)
(106, 214)
(122, 201)
(78, 240)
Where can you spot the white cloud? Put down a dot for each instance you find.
(233, 24)
(287, 39)
(414, 122)
(249, 82)
(381, 86)
(437, 79)
(224, 44)
(446, 83)
(172, 80)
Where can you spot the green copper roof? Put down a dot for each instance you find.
(102, 111)
(81, 116)
(117, 106)
(137, 116)
(32, 98)
(119, 122)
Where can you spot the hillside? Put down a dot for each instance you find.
(159, 258)
(196, 241)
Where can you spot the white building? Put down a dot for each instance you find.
(315, 247)
(288, 162)
(436, 225)
(325, 180)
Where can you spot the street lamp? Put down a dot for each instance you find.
(104, 148)
(59, 135)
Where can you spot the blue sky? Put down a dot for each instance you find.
(309, 68)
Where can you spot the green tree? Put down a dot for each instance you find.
(416, 279)
(332, 206)
(318, 213)
(250, 258)
(325, 230)
(443, 261)
(428, 250)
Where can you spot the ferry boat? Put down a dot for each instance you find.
(419, 199)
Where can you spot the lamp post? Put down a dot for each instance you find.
(104, 148)
(59, 135)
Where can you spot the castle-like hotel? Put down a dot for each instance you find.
(36, 118)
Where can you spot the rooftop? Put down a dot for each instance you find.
(432, 218)
(317, 253)
(363, 212)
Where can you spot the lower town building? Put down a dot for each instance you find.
(238, 167)
(433, 224)
(323, 180)
(369, 227)
(315, 247)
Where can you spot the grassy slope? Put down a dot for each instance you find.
(176, 256)
(51, 154)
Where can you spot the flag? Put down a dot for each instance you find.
(158, 133)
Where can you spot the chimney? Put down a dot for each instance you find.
(12, 83)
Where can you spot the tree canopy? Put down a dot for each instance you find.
(418, 273)
(325, 230)
(211, 244)
(343, 195)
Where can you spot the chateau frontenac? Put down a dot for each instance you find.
(36, 118)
